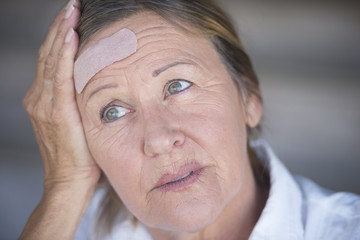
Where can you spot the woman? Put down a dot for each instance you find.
(160, 97)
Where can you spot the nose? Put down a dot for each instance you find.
(161, 133)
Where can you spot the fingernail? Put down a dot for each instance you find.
(71, 2)
(69, 11)
(69, 35)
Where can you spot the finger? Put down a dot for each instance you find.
(46, 46)
(70, 21)
(64, 91)
(43, 52)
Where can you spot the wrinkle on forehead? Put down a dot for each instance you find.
(117, 47)
(152, 34)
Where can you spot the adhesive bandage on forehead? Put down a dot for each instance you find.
(117, 47)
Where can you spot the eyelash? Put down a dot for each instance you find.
(104, 109)
(166, 88)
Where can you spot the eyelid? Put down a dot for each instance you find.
(107, 107)
(166, 87)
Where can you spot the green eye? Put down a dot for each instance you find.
(112, 113)
(177, 86)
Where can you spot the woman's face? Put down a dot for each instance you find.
(168, 127)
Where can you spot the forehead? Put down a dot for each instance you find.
(155, 35)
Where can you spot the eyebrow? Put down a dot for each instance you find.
(155, 73)
(158, 71)
(102, 87)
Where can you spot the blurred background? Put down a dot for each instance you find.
(307, 57)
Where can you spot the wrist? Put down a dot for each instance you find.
(67, 194)
(71, 180)
(59, 212)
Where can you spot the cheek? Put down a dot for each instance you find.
(116, 151)
(218, 127)
(117, 154)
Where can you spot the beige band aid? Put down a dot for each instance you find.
(118, 46)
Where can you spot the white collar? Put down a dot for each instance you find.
(282, 215)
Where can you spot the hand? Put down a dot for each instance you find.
(70, 171)
(52, 109)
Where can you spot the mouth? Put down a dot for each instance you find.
(183, 179)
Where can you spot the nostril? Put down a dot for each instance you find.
(179, 138)
(151, 154)
(178, 143)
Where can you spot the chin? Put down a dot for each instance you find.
(189, 215)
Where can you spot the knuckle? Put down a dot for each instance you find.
(41, 108)
(56, 117)
(52, 27)
(37, 111)
(27, 95)
(60, 34)
(41, 114)
(27, 102)
(50, 62)
(26, 105)
(63, 53)
(42, 53)
(61, 75)
(58, 78)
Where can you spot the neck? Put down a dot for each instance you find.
(237, 220)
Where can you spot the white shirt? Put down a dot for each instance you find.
(299, 209)
(296, 209)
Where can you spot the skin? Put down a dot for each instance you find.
(104, 53)
(70, 173)
(205, 123)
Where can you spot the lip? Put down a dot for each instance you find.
(170, 182)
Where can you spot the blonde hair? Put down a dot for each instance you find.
(209, 19)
